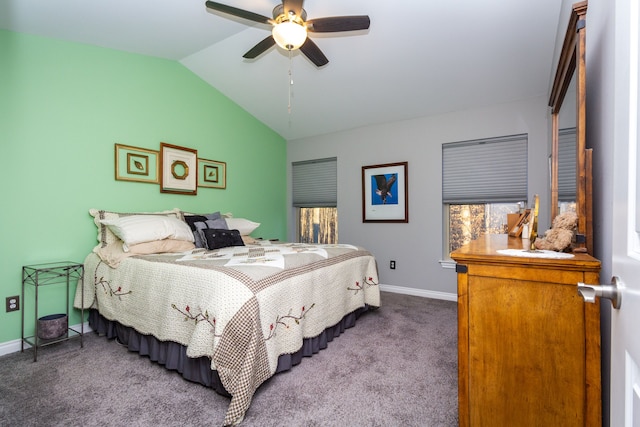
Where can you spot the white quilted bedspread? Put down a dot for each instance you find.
(241, 311)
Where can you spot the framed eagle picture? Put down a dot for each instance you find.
(385, 193)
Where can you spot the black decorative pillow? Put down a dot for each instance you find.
(216, 238)
(198, 222)
(192, 219)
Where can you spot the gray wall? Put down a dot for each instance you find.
(417, 246)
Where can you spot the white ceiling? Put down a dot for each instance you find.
(418, 58)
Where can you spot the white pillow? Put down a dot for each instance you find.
(147, 228)
(244, 226)
(106, 237)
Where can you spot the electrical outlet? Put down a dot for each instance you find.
(13, 303)
(392, 265)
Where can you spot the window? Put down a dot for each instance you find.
(482, 181)
(468, 222)
(314, 185)
(318, 225)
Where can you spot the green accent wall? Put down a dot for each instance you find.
(64, 105)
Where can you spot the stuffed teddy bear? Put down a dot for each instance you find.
(560, 236)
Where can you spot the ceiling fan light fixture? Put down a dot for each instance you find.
(289, 35)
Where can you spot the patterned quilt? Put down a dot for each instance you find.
(241, 306)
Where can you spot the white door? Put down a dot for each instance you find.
(625, 322)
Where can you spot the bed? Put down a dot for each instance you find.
(244, 311)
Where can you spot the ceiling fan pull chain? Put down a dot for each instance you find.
(290, 81)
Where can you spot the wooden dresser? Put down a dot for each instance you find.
(528, 344)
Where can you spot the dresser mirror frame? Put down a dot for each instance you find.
(571, 65)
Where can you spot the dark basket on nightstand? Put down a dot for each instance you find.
(52, 326)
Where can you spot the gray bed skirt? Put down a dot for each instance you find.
(174, 356)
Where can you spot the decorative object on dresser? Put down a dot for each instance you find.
(385, 193)
(560, 236)
(528, 345)
(516, 228)
(533, 224)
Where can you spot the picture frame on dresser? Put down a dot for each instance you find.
(179, 171)
(385, 194)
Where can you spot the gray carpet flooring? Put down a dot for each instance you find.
(396, 367)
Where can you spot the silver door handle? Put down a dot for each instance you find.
(611, 292)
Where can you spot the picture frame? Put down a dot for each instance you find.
(179, 171)
(385, 193)
(136, 164)
(212, 174)
(523, 218)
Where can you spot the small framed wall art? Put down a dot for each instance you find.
(179, 171)
(385, 191)
(212, 174)
(136, 164)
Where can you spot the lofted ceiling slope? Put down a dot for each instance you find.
(418, 58)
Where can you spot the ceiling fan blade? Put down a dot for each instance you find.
(238, 12)
(260, 48)
(313, 52)
(292, 5)
(338, 23)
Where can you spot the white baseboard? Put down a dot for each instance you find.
(14, 346)
(419, 292)
(9, 347)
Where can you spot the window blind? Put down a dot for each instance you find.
(315, 183)
(490, 170)
(567, 165)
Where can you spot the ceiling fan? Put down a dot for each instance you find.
(290, 28)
